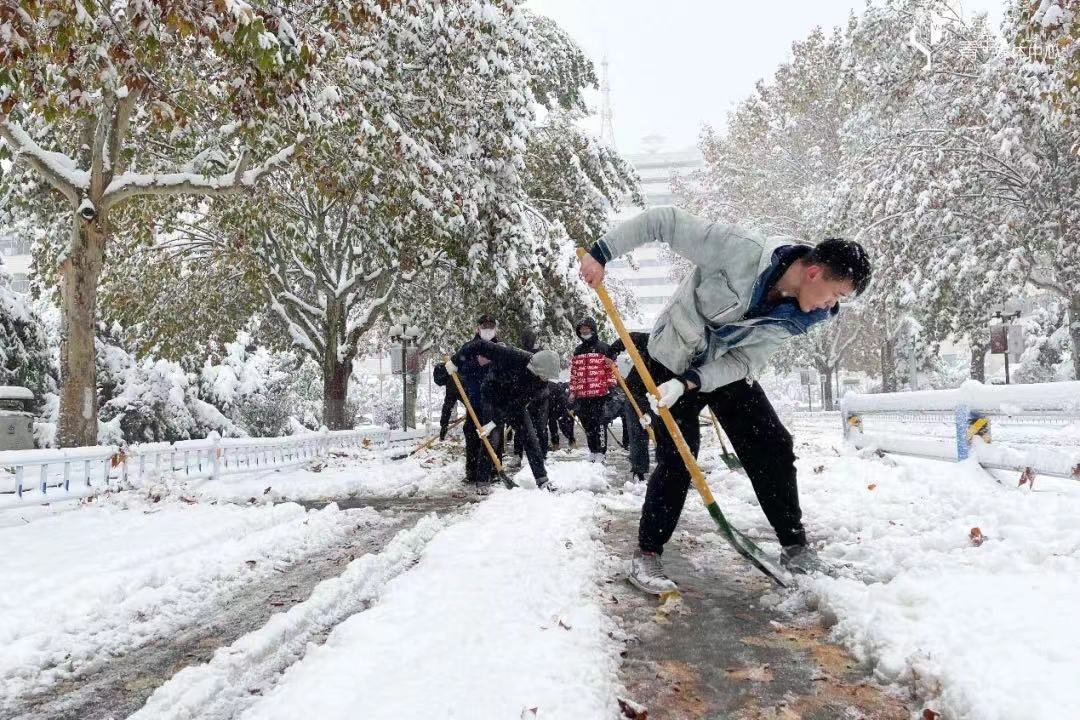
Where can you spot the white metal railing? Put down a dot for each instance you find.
(971, 409)
(35, 477)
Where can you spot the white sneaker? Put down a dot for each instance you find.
(546, 484)
(647, 574)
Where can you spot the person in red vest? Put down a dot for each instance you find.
(591, 380)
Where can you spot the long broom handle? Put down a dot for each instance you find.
(719, 435)
(633, 402)
(697, 477)
(431, 440)
(476, 422)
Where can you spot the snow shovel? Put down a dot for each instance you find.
(742, 544)
(480, 431)
(431, 440)
(633, 402)
(730, 459)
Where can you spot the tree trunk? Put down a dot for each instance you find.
(1074, 333)
(335, 389)
(827, 389)
(977, 370)
(79, 274)
(410, 400)
(888, 367)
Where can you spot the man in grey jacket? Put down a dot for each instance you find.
(746, 295)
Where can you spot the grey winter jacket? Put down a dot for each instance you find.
(702, 332)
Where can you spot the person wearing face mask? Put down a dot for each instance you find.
(516, 379)
(746, 296)
(473, 372)
(591, 380)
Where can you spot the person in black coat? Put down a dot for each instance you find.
(559, 414)
(515, 379)
(636, 437)
(473, 374)
(538, 406)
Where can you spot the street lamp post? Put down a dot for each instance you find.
(404, 334)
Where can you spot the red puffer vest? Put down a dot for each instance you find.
(590, 375)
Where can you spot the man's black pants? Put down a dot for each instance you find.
(538, 415)
(520, 421)
(560, 422)
(760, 440)
(590, 412)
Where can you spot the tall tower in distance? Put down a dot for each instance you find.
(607, 130)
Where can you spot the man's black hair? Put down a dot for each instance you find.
(843, 260)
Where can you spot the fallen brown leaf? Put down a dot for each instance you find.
(929, 714)
(871, 486)
(759, 673)
(977, 537)
(632, 710)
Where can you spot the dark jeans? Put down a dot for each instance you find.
(636, 437)
(760, 440)
(521, 423)
(538, 413)
(478, 466)
(590, 411)
(449, 401)
(560, 422)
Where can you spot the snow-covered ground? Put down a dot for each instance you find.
(954, 584)
(501, 616)
(356, 473)
(81, 585)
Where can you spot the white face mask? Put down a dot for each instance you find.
(586, 337)
(487, 333)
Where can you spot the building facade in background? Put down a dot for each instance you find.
(15, 257)
(652, 283)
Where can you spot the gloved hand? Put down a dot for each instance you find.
(486, 429)
(646, 421)
(670, 392)
(450, 366)
(625, 363)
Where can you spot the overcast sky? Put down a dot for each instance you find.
(677, 64)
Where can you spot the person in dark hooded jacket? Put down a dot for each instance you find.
(590, 382)
(473, 372)
(559, 415)
(516, 378)
(636, 437)
(538, 406)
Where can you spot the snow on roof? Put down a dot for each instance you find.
(14, 392)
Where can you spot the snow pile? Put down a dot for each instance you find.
(80, 586)
(568, 475)
(354, 474)
(952, 585)
(223, 687)
(500, 616)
